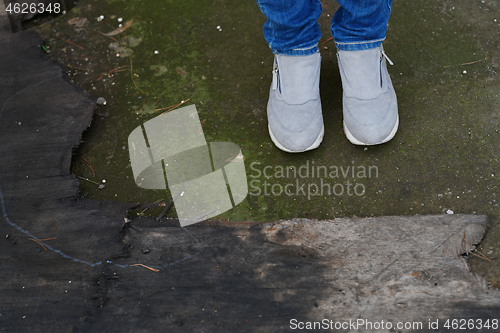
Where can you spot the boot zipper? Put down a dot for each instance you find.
(276, 75)
(382, 56)
(275, 79)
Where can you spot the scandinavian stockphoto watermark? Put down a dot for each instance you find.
(310, 180)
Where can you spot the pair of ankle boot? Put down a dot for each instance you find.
(369, 101)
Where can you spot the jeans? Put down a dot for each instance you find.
(292, 28)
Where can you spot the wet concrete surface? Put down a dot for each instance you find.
(444, 157)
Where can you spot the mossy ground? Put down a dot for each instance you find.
(444, 156)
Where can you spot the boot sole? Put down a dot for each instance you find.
(313, 146)
(355, 141)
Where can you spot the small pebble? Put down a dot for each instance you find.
(156, 52)
(102, 186)
(101, 101)
(449, 211)
(120, 19)
(104, 181)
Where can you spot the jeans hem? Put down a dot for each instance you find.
(298, 52)
(359, 46)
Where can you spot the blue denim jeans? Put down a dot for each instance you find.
(292, 28)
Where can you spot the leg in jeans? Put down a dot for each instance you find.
(369, 101)
(360, 25)
(291, 27)
(295, 119)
